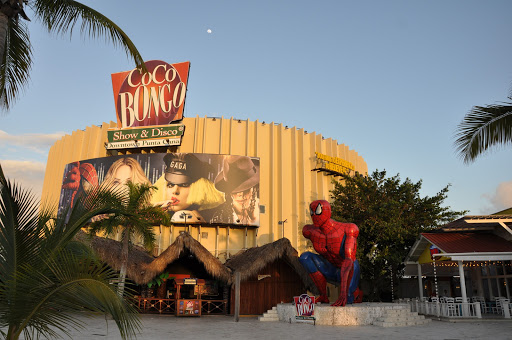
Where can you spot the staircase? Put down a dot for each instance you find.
(270, 315)
(400, 318)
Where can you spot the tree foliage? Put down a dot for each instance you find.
(482, 128)
(390, 215)
(135, 217)
(46, 276)
(57, 17)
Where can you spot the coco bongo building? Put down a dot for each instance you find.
(238, 192)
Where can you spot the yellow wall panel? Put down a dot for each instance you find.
(287, 184)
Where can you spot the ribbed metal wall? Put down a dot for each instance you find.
(287, 184)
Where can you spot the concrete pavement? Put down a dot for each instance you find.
(224, 327)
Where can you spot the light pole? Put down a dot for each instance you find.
(282, 223)
(184, 215)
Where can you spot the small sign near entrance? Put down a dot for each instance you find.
(304, 307)
(190, 281)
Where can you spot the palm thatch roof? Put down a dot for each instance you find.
(142, 267)
(185, 241)
(251, 261)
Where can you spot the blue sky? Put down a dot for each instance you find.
(390, 79)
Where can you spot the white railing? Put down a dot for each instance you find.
(448, 310)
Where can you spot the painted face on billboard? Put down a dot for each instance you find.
(177, 194)
(122, 175)
(242, 199)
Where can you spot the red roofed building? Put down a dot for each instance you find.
(469, 258)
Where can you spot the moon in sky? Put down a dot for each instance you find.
(209, 31)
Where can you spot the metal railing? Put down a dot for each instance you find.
(168, 306)
(448, 310)
(155, 305)
(214, 307)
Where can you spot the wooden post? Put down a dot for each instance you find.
(420, 282)
(237, 296)
(227, 242)
(217, 241)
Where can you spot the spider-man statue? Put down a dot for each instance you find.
(336, 243)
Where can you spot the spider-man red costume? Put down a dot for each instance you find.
(336, 244)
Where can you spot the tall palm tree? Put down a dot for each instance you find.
(136, 217)
(45, 276)
(57, 16)
(482, 128)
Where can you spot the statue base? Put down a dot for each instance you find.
(365, 313)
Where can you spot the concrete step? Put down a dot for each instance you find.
(402, 323)
(270, 315)
(268, 318)
(400, 318)
(398, 311)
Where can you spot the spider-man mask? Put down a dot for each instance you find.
(320, 212)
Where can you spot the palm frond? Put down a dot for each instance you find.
(44, 276)
(61, 16)
(16, 63)
(482, 128)
(19, 228)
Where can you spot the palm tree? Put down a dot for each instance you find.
(57, 16)
(482, 128)
(136, 217)
(45, 275)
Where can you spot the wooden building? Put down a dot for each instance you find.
(269, 274)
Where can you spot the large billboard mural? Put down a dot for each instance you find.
(193, 188)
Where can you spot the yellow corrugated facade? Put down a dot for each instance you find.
(287, 184)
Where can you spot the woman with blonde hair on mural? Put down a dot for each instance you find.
(123, 170)
(120, 173)
(187, 189)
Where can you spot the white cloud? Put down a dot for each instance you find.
(502, 198)
(28, 174)
(34, 141)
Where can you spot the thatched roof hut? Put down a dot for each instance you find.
(185, 241)
(142, 267)
(251, 261)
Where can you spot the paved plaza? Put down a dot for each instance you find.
(224, 327)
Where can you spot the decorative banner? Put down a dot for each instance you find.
(148, 137)
(193, 188)
(150, 132)
(434, 250)
(153, 98)
(304, 307)
(143, 144)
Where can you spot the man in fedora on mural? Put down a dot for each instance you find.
(239, 180)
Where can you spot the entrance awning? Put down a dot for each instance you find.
(458, 246)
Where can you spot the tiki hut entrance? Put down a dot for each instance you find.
(188, 266)
(270, 274)
(184, 258)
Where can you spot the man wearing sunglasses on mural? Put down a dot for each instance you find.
(239, 180)
(336, 263)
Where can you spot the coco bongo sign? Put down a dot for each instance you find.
(153, 98)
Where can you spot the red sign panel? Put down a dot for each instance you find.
(153, 98)
(304, 307)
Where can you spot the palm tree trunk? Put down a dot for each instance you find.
(12, 333)
(4, 21)
(124, 261)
